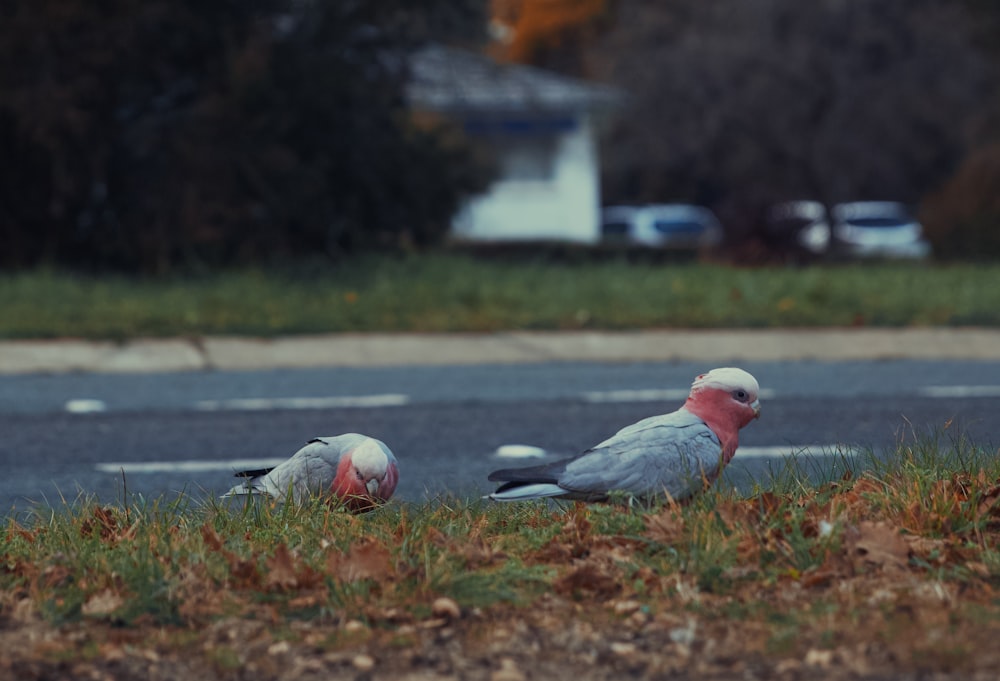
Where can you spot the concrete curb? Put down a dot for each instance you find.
(367, 350)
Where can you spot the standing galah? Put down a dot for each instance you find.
(673, 454)
(357, 471)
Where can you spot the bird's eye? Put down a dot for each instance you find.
(741, 395)
(358, 473)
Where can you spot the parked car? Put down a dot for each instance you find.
(878, 229)
(798, 228)
(668, 225)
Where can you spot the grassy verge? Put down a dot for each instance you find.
(450, 292)
(895, 569)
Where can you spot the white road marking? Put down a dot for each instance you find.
(960, 391)
(648, 395)
(780, 451)
(639, 395)
(771, 452)
(85, 406)
(513, 451)
(266, 403)
(520, 451)
(200, 466)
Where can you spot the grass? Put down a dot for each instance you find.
(905, 555)
(452, 292)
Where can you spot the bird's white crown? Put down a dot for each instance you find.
(727, 378)
(369, 458)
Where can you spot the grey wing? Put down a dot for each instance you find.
(663, 454)
(675, 419)
(310, 470)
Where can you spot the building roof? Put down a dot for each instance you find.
(452, 80)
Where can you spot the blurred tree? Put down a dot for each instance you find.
(962, 219)
(143, 134)
(739, 104)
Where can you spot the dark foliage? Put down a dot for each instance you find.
(145, 134)
(741, 104)
(962, 220)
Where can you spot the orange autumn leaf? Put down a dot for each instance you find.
(532, 24)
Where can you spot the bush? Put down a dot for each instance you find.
(144, 135)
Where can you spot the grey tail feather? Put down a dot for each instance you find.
(512, 485)
(520, 491)
(253, 473)
(548, 472)
(245, 489)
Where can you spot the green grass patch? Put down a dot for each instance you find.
(181, 559)
(898, 556)
(454, 292)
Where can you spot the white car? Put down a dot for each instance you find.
(668, 225)
(877, 229)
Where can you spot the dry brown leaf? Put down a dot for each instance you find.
(478, 553)
(988, 502)
(834, 568)
(437, 537)
(877, 544)
(577, 526)
(978, 568)
(865, 486)
(738, 514)
(553, 552)
(211, 537)
(446, 608)
(590, 578)
(197, 593)
(613, 549)
(242, 573)
(16, 529)
(366, 559)
(666, 527)
(769, 502)
(104, 524)
(925, 547)
(281, 572)
(102, 603)
(55, 575)
(311, 600)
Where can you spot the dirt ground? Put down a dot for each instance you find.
(556, 638)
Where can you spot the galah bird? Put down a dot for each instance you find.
(672, 454)
(355, 470)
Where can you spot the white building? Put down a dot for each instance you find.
(542, 128)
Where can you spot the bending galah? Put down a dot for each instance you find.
(357, 471)
(673, 454)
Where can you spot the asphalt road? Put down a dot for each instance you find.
(115, 435)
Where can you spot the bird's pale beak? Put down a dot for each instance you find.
(372, 486)
(755, 405)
